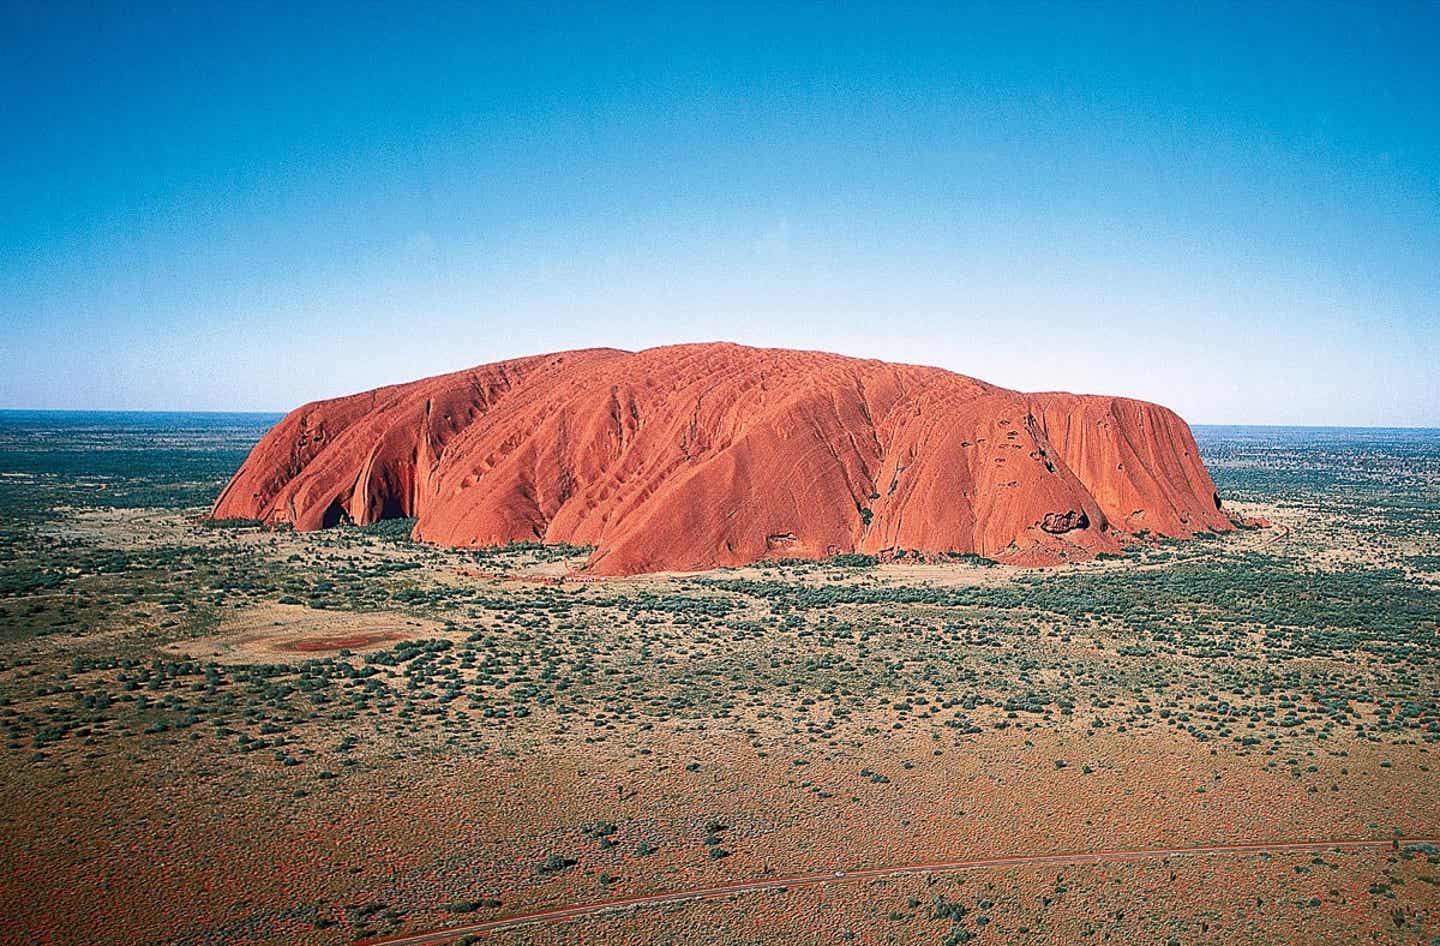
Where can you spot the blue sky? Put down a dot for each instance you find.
(1231, 209)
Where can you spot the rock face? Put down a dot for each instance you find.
(695, 456)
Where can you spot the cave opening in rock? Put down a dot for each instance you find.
(335, 514)
(392, 508)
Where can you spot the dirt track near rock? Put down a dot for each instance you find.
(597, 908)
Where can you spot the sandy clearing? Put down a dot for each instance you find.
(282, 632)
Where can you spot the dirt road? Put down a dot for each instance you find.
(584, 910)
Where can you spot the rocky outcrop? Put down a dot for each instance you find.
(695, 456)
(1059, 523)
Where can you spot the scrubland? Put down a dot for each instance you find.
(217, 733)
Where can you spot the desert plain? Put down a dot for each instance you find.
(218, 732)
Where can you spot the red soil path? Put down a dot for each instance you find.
(696, 456)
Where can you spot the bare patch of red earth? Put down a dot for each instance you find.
(313, 645)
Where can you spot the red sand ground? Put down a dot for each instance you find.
(696, 456)
(328, 644)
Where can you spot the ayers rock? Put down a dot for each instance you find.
(695, 456)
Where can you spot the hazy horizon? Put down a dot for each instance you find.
(1232, 212)
(278, 414)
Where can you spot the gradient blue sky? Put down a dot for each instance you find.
(1234, 210)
